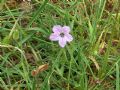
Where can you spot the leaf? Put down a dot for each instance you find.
(6, 40)
(16, 35)
(41, 68)
(95, 62)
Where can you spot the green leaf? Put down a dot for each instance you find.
(16, 35)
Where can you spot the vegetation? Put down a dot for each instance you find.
(29, 60)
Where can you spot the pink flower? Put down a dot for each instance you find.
(61, 34)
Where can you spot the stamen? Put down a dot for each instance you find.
(62, 34)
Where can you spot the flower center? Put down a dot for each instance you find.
(62, 34)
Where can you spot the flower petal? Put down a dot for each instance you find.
(54, 37)
(66, 29)
(62, 42)
(68, 37)
(57, 29)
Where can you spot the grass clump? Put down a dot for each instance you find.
(30, 61)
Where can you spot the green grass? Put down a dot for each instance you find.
(90, 62)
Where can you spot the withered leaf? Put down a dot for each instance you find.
(40, 69)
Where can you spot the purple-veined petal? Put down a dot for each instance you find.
(54, 37)
(66, 29)
(68, 37)
(57, 29)
(62, 42)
